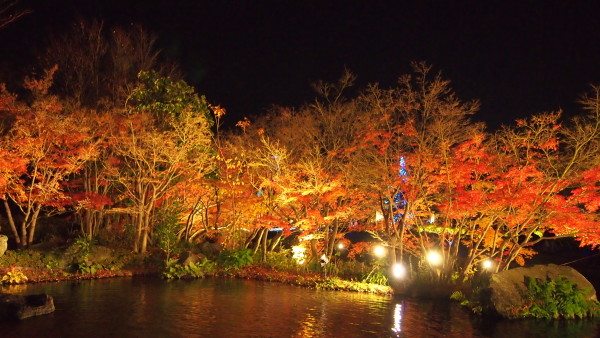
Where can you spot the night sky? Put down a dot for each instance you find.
(516, 57)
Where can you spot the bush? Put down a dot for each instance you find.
(558, 298)
(376, 276)
(351, 269)
(234, 260)
(88, 269)
(281, 261)
(174, 270)
(14, 276)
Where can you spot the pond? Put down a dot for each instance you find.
(149, 307)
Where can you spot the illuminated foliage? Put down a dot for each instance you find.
(53, 144)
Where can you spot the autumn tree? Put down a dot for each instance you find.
(411, 132)
(92, 190)
(298, 167)
(54, 144)
(164, 135)
(553, 179)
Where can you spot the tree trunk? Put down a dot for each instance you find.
(251, 238)
(275, 241)
(264, 245)
(11, 221)
(24, 232)
(259, 241)
(33, 223)
(334, 232)
(313, 249)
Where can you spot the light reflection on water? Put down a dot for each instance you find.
(240, 308)
(397, 329)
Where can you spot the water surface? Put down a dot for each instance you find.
(149, 307)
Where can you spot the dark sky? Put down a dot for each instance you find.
(516, 57)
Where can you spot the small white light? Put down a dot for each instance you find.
(487, 264)
(434, 258)
(299, 254)
(340, 246)
(379, 251)
(398, 270)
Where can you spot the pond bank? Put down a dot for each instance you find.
(22, 275)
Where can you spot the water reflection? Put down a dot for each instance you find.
(237, 308)
(397, 319)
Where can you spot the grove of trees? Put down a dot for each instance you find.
(125, 148)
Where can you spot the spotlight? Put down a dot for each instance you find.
(398, 270)
(379, 251)
(434, 258)
(487, 264)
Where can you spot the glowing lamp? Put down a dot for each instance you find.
(398, 271)
(379, 251)
(299, 254)
(340, 246)
(434, 258)
(487, 264)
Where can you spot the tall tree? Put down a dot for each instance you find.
(164, 134)
(54, 144)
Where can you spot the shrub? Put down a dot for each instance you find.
(14, 276)
(88, 269)
(559, 298)
(376, 276)
(281, 261)
(174, 270)
(234, 260)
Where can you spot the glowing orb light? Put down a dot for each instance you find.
(487, 264)
(379, 251)
(434, 258)
(340, 246)
(398, 270)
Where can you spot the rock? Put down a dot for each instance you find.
(508, 289)
(211, 249)
(100, 254)
(21, 307)
(3, 244)
(188, 258)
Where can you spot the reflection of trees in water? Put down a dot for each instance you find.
(148, 307)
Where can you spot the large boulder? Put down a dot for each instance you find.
(508, 289)
(21, 307)
(3, 244)
(188, 257)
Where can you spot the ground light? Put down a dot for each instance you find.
(434, 258)
(379, 251)
(487, 264)
(299, 254)
(398, 271)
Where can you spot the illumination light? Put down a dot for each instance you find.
(299, 254)
(434, 258)
(487, 264)
(340, 246)
(398, 270)
(379, 251)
